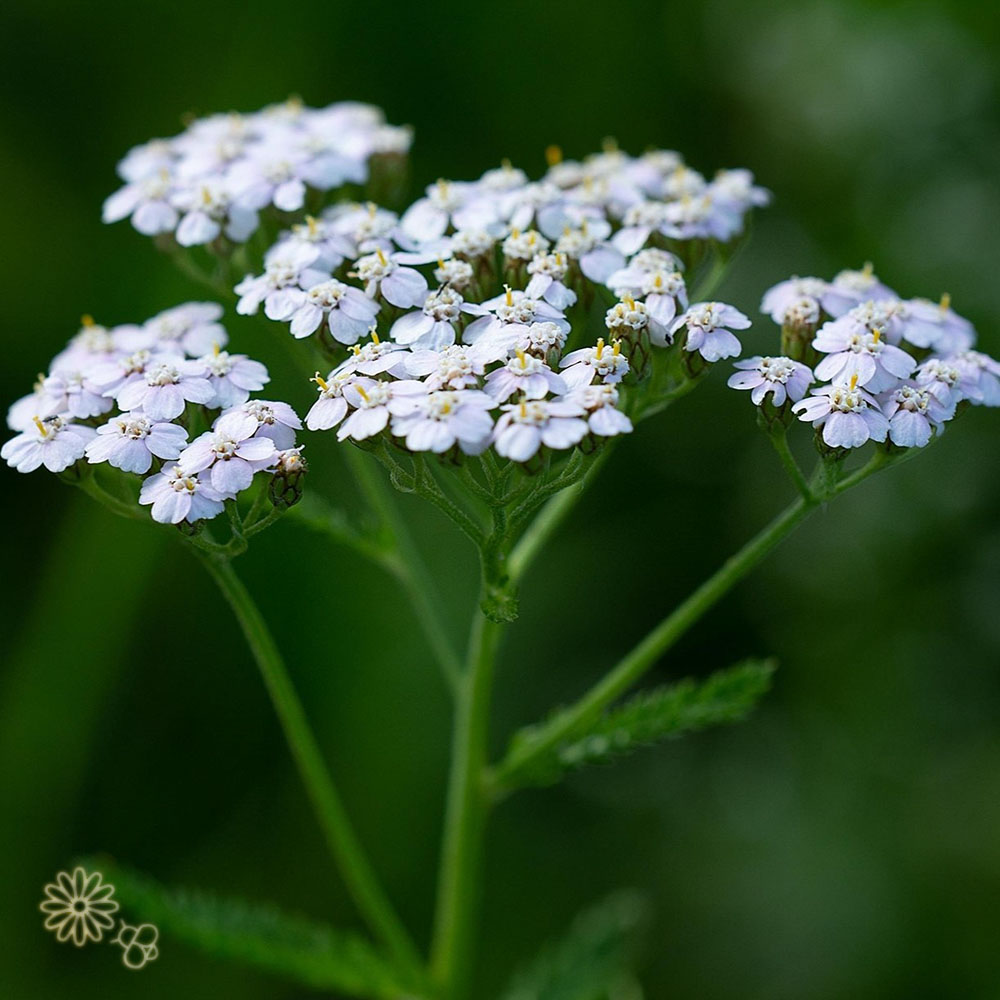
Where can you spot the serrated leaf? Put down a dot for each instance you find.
(645, 719)
(260, 935)
(591, 961)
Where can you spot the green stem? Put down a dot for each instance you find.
(361, 881)
(780, 441)
(455, 920)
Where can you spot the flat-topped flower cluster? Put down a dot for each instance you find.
(131, 395)
(468, 299)
(218, 175)
(895, 368)
(470, 321)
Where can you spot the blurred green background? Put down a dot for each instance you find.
(846, 840)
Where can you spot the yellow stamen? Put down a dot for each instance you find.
(521, 357)
(361, 392)
(566, 230)
(515, 233)
(524, 409)
(599, 350)
(854, 382)
(381, 257)
(356, 349)
(441, 263)
(876, 335)
(86, 320)
(372, 209)
(617, 345)
(510, 296)
(312, 224)
(945, 304)
(42, 429)
(506, 164)
(553, 155)
(215, 349)
(630, 302)
(320, 381)
(206, 196)
(375, 339)
(869, 269)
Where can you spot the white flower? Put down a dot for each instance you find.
(708, 334)
(508, 317)
(331, 407)
(979, 376)
(606, 363)
(80, 907)
(526, 374)
(853, 348)
(632, 279)
(597, 258)
(71, 392)
(400, 286)
(541, 339)
(441, 419)
(55, 443)
(433, 327)
(147, 202)
(179, 496)
(548, 273)
(914, 412)
(627, 317)
(601, 403)
(457, 367)
(942, 377)
(367, 227)
(162, 391)
(375, 358)
(524, 245)
(333, 247)
(271, 176)
(275, 420)
(933, 324)
(278, 287)
(130, 441)
(470, 244)
(192, 329)
(370, 400)
(524, 427)
(795, 299)
(848, 415)
(233, 377)
(454, 273)
(209, 210)
(347, 311)
(782, 377)
(231, 452)
(852, 288)
(447, 203)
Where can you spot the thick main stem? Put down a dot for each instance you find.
(659, 640)
(455, 920)
(356, 870)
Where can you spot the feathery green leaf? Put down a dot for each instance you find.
(645, 719)
(591, 961)
(260, 935)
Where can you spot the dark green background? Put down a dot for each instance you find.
(845, 841)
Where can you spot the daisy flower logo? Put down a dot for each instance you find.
(79, 907)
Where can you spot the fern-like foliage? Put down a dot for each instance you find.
(591, 962)
(294, 948)
(645, 719)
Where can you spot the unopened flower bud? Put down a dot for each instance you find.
(285, 487)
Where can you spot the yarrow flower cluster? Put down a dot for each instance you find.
(460, 324)
(131, 396)
(216, 177)
(896, 369)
